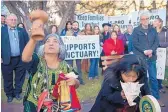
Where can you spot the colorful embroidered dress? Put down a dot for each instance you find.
(44, 78)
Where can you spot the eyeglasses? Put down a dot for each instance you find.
(145, 19)
(13, 19)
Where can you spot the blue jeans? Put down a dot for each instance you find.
(152, 79)
(78, 64)
(93, 70)
(160, 84)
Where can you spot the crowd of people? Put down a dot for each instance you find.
(17, 48)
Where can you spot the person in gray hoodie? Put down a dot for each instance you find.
(163, 42)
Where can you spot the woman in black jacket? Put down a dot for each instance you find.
(111, 97)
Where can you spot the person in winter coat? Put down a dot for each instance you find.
(106, 32)
(145, 43)
(163, 42)
(128, 35)
(111, 97)
(120, 35)
(105, 35)
(113, 45)
(68, 29)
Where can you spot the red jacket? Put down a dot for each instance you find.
(109, 46)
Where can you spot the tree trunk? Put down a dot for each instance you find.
(12, 7)
(135, 5)
(66, 16)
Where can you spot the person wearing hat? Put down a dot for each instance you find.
(51, 63)
(106, 33)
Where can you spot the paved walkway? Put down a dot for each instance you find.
(85, 107)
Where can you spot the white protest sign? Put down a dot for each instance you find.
(82, 46)
(161, 63)
(160, 13)
(93, 19)
(131, 91)
(122, 21)
(134, 17)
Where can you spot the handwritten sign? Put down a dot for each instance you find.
(161, 63)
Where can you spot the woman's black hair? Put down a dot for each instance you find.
(67, 25)
(21, 24)
(126, 64)
(50, 28)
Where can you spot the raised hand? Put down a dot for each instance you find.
(38, 19)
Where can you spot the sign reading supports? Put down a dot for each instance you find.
(93, 19)
(161, 63)
(82, 46)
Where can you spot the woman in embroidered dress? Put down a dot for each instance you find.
(50, 64)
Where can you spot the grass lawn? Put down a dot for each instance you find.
(87, 92)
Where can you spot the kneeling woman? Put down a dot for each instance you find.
(50, 65)
(111, 97)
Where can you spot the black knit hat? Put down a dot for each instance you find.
(106, 24)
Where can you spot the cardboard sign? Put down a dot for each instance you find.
(161, 63)
(122, 21)
(134, 17)
(93, 19)
(82, 46)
